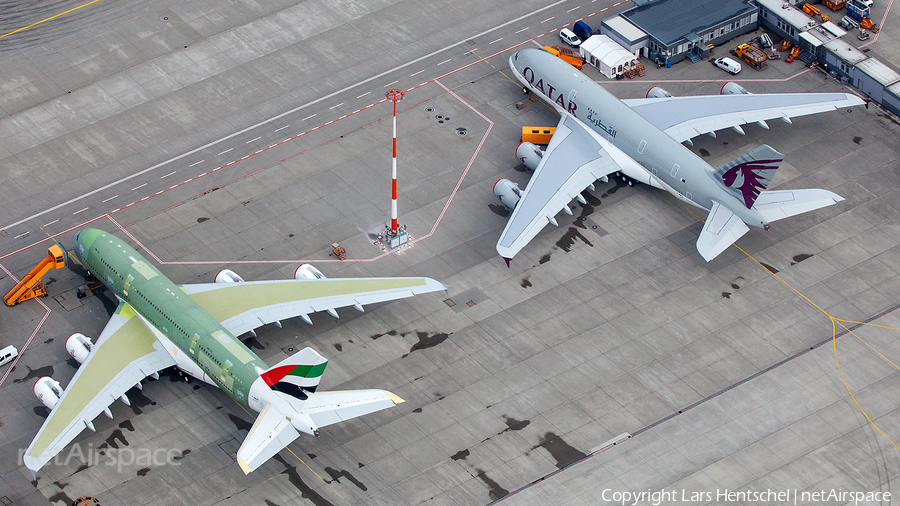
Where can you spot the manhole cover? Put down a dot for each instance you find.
(164, 18)
(449, 302)
(461, 131)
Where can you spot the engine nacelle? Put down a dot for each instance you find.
(48, 390)
(529, 154)
(508, 192)
(657, 92)
(228, 276)
(306, 271)
(733, 88)
(79, 347)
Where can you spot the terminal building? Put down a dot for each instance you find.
(672, 30)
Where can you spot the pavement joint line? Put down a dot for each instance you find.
(196, 163)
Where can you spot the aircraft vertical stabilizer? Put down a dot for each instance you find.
(749, 174)
(297, 375)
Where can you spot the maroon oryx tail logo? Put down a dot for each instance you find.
(748, 175)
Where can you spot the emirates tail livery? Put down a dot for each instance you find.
(159, 324)
(599, 135)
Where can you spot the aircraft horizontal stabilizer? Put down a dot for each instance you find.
(327, 408)
(271, 432)
(721, 230)
(778, 204)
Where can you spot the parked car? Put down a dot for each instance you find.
(728, 65)
(569, 37)
(7, 354)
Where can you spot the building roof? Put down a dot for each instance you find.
(845, 51)
(878, 71)
(670, 20)
(625, 29)
(894, 88)
(606, 50)
(792, 16)
(836, 30)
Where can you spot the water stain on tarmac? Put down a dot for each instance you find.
(305, 491)
(495, 491)
(48, 341)
(143, 471)
(544, 259)
(338, 347)
(116, 436)
(388, 333)
(513, 424)
(61, 496)
(801, 257)
(857, 139)
(562, 452)
(460, 455)
(525, 283)
(500, 210)
(202, 219)
(184, 453)
(337, 475)
(427, 340)
(47, 370)
(586, 209)
(139, 400)
(771, 269)
(568, 239)
(704, 152)
(270, 503)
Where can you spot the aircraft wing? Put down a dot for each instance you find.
(125, 353)
(244, 306)
(686, 117)
(574, 159)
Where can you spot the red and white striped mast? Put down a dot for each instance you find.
(394, 94)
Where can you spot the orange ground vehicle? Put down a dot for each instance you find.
(567, 55)
(751, 55)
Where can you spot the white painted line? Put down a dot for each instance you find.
(51, 223)
(493, 41)
(282, 128)
(443, 62)
(173, 186)
(522, 30)
(335, 106)
(306, 118)
(417, 73)
(107, 200)
(390, 83)
(291, 111)
(196, 163)
(21, 235)
(223, 152)
(573, 8)
(548, 19)
(169, 174)
(364, 94)
(252, 140)
(606, 444)
(141, 186)
(258, 152)
(272, 146)
(356, 111)
(78, 211)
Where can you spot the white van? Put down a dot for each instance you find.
(569, 37)
(8, 354)
(728, 65)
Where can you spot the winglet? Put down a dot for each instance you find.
(507, 261)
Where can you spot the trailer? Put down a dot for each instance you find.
(857, 10)
(751, 55)
(834, 4)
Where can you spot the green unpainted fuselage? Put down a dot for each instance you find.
(197, 335)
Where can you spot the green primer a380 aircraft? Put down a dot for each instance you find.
(159, 324)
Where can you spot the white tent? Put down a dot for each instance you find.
(607, 55)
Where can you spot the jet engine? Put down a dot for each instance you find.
(508, 192)
(306, 271)
(657, 92)
(48, 390)
(79, 347)
(529, 154)
(732, 88)
(228, 276)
